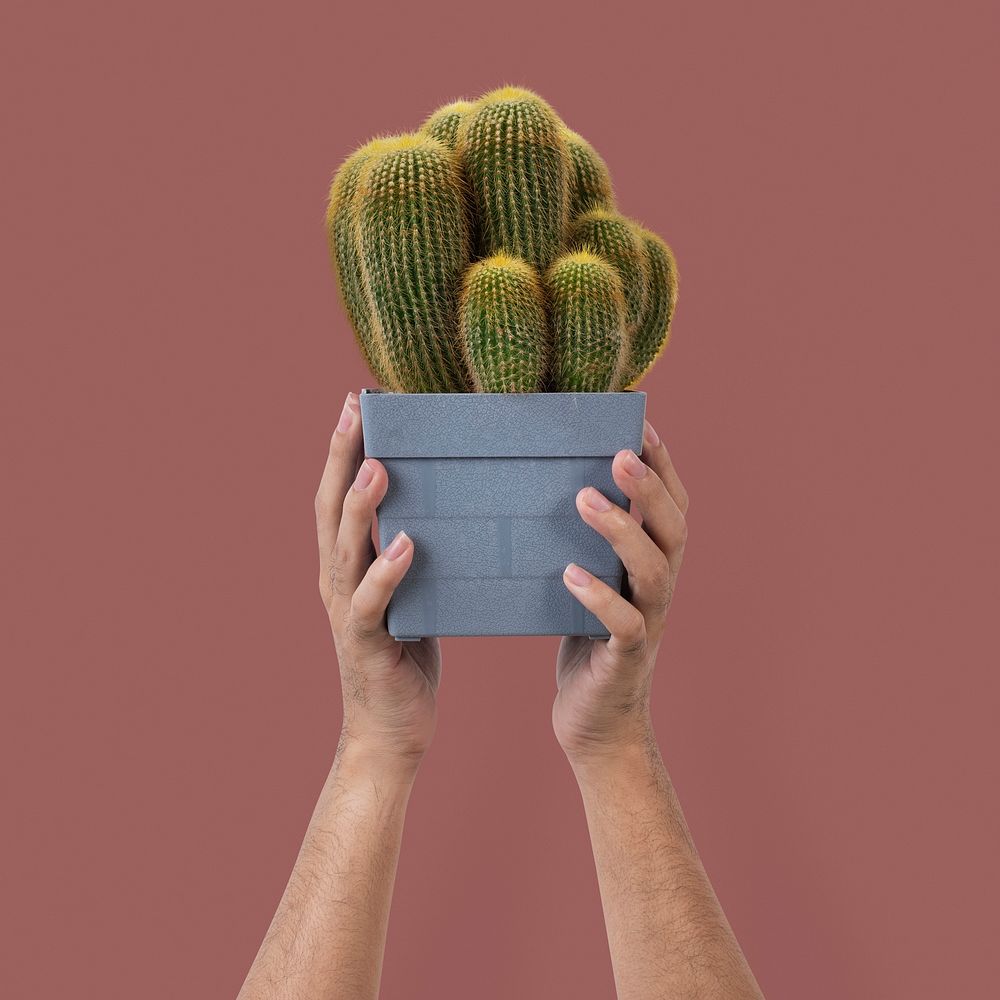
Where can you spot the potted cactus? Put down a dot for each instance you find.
(506, 309)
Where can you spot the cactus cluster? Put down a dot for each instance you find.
(484, 253)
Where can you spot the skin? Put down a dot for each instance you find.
(666, 930)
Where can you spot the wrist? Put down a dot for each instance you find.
(360, 760)
(632, 758)
(615, 736)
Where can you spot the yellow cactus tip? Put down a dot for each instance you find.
(587, 257)
(600, 214)
(503, 260)
(408, 140)
(509, 92)
(379, 144)
(454, 107)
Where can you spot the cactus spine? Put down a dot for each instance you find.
(653, 332)
(590, 180)
(518, 169)
(443, 124)
(617, 241)
(413, 242)
(502, 318)
(587, 313)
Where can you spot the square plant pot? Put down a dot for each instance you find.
(485, 485)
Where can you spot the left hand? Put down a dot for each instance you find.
(602, 706)
(388, 687)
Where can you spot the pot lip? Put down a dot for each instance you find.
(501, 425)
(497, 395)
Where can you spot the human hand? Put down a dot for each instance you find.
(602, 705)
(388, 687)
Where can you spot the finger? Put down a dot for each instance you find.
(341, 464)
(661, 517)
(655, 455)
(647, 567)
(621, 619)
(371, 598)
(353, 552)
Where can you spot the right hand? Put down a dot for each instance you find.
(602, 706)
(388, 687)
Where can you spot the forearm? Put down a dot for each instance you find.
(328, 935)
(667, 933)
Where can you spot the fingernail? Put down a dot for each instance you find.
(397, 546)
(364, 477)
(346, 416)
(649, 435)
(594, 500)
(633, 466)
(577, 576)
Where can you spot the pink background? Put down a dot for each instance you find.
(176, 358)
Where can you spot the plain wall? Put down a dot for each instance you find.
(175, 357)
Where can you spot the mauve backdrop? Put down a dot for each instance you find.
(177, 357)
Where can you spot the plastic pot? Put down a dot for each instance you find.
(485, 485)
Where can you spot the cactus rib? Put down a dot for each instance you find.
(653, 332)
(340, 226)
(517, 165)
(590, 180)
(587, 315)
(413, 240)
(443, 123)
(502, 319)
(615, 239)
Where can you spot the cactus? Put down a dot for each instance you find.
(502, 319)
(443, 124)
(413, 242)
(617, 241)
(340, 224)
(587, 313)
(440, 240)
(653, 332)
(590, 180)
(518, 168)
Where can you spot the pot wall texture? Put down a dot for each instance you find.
(485, 485)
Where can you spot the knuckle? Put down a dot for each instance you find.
(683, 500)
(632, 634)
(322, 506)
(660, 586)
(337, 575)
(358, 502)
(338, 444)
(357, 628)
(633, 648)
(620, 523)
(682, 532)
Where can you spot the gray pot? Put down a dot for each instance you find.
(485, 485)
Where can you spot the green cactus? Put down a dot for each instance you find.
(590, 181)
(616, 240)
(517, 165)
(443, 124)
(653, 332)
(411, 219)
(502, 319)
(413, 242)
(587, 316)
(340, 226)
